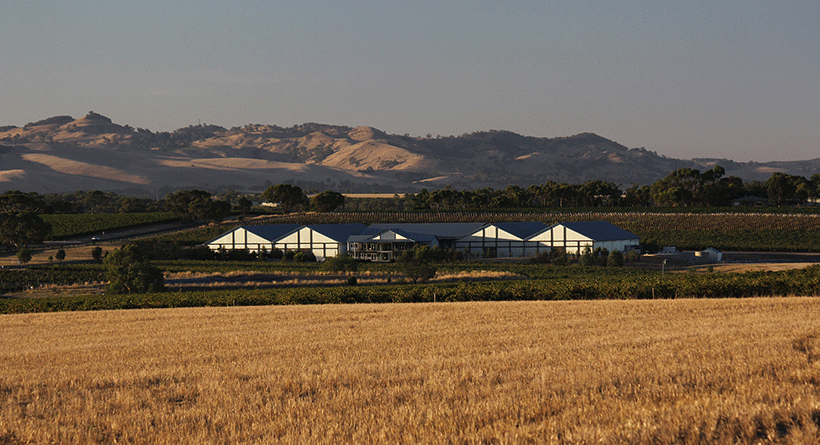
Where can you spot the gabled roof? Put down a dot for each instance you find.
(414, 237)
(338, 232)
(522, 230)
(271, 232)
(439, 230)
(595, 230)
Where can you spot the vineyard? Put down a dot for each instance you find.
(35, 276)
(686, 231)
(66, 225)
(557, 283)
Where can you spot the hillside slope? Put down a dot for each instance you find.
(62, 154)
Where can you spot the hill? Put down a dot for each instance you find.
(60, 154)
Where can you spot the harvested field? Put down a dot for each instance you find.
(675, 371)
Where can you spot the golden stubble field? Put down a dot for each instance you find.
(679, 371)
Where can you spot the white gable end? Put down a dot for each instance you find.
(389, 236)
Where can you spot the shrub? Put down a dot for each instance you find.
(615, 259)
(351, 281)
(304, 257)
(586, 257)
(651, 246)
(342, 263)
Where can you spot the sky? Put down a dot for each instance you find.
(686, 79)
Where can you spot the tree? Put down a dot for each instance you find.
(21, 229)
(128, 271)
(586, 257)
(16, 201)
(415, 264)
(23, 256)
(96, 254)
(209, 209)
(287, 196)
(615, 259)
(243, 205)
(60, 255)
(327, 201)
(180, 202)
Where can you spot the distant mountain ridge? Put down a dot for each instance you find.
(62, 154)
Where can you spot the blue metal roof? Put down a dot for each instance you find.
(271, 232)
(416, 237)
(522, 230)
(439, 230)
(338, 232)
(597, 230)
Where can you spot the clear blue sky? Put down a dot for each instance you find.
(699, 78)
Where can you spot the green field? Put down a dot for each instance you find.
(68, 225)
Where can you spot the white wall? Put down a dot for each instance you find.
(308, 239)
(240, 239)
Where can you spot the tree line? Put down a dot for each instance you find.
(684, 187)
(20, 223)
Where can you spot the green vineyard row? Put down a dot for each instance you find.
(627, 285)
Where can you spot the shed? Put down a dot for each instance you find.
(710, 254)
(251, 238)
(324, 240)
(498, 240)
(574, 237)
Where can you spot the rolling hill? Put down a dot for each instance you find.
(62, 154)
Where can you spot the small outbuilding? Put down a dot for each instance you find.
(710, 255)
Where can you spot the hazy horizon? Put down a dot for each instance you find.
(734, 80)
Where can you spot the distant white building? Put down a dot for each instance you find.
(251, 238)
(324, 240)
(574, 237)
(501, 240)
(385, 242)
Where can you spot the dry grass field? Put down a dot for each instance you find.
(673, 371)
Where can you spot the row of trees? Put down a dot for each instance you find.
(684, 187)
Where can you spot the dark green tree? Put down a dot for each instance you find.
(416, 265)
(287, 196)
(21, 229)
(243, 205)
(327, 201)
(16, 201)
(209, 209)
(129, 271)
(587, 258)
(615, 259)
(23, 256)
(180, 202)
(96, 254)
(60, 255)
